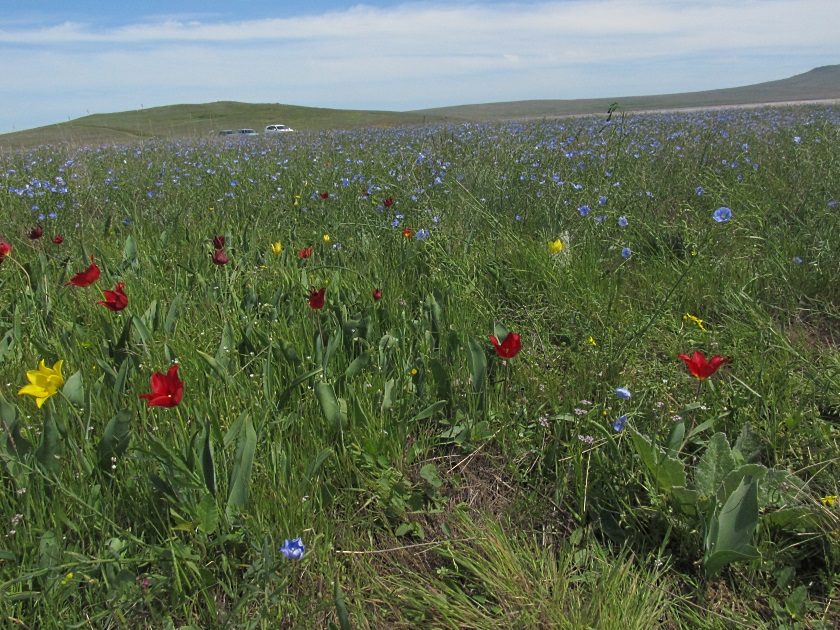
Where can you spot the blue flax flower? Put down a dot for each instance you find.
(722, 215)
(619, 423)
(623, 392)
(626, 252)
(293, 549)
(622, 221)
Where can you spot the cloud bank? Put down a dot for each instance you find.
(413, 55)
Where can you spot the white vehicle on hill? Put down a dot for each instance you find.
(247, 132)
(277, 129)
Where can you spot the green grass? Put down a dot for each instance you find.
(433, 484)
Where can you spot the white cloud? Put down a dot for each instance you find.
(417, 55)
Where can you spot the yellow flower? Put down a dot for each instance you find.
(696, 320)
(592, 340)
(555, 247)
(67, 579)
(830, 500)
(414, 371)
(276, 248)
(326, 238)
(43, 382)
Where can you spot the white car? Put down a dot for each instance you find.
(277, 129)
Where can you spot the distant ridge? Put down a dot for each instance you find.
(821, 83)
(202, 120)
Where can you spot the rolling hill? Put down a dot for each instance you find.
(200, 120)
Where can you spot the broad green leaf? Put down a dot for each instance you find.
(477, 363)
(675, 438)
(781, 488)
(142, 332)
(715, 464)
(430, 474)
(73, 389)
(50, 445)
(115, 439)
(208, 514)
(240, 476)
(731, 527)
(49, 550)
(227, 346)
(129, 251)
(388, 395)
(208, 462)
(429, 411)
(748, 444)
(172, 315)
(666, 471)
(331, 406)
(685, 500)
(217, 367)
(358, 364)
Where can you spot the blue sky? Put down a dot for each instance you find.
(61, 60)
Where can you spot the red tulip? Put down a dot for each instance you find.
(388, 202)
(115, 300)
(324, 195)
(58, 239)
(218, 241)
(219, 257)
(698, 366)
(5, 249)
(509, 348)
(167, 389)
(306, 252)
(85, 278)
(316, 298)
(36, 233)
(408, 232)
(377, 295)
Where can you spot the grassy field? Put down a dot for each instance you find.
(426, 376)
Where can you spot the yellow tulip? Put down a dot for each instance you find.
(43, 382)
(326, 238)
(276, 248)
(555, 247)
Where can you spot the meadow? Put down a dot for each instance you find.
(426, 377)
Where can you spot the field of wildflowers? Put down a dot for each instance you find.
(570, 373)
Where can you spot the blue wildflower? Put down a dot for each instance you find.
(622, 221)
(422, 235)
(583, 210)
(602, 200)
(797, 259)
(722, 214)
(699, 190)
(626, 252)
(623, 392)
(599, 219)
(619, 423)
(293, 549)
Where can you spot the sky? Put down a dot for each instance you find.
(61, 60)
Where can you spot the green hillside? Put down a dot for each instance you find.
(200, 120)
(818, 84)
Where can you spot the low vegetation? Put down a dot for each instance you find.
(426, 376)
